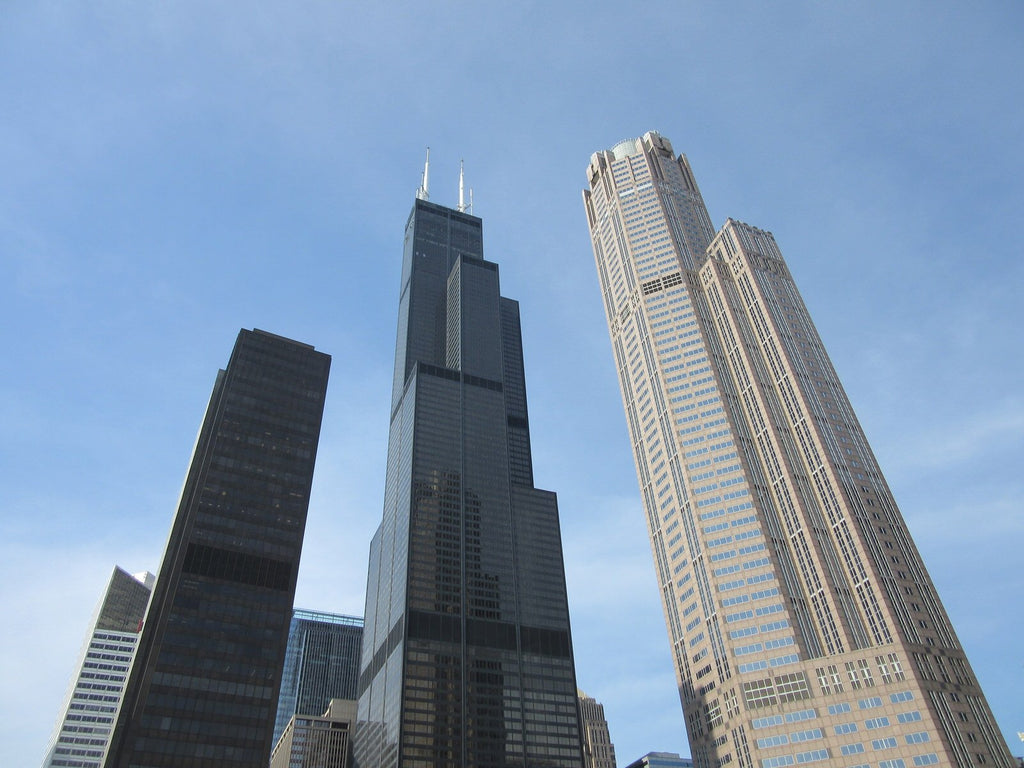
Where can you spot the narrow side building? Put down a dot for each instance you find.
(87, 717)
(598, 750)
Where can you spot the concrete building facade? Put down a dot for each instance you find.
(598, 750)
(87, 717)
(804, 626)
(323, 741)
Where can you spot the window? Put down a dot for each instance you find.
(793, 687)
(813, 756)
(810, 735)
(851, 671)
(798, 717)
(759, 693)
(897, 670)
(865, 673)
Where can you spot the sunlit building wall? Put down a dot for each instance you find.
(83, 731)
(804, 626)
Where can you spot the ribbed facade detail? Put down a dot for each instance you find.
(598, 750)
(804, 626)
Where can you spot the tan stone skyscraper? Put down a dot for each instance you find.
(804, 626)
(598, 750)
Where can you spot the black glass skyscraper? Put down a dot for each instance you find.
(204, 686)
(467, 659)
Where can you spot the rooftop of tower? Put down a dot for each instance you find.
(632, 147)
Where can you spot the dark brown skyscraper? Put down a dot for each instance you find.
(203, 689)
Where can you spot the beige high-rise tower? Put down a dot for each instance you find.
(598, 750)
(804, 626)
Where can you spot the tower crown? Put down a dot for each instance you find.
(423, 192)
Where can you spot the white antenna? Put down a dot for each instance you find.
(471, 201)
(423, 193)
(462, 188)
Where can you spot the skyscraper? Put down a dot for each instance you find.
(321, 663)
(204, 685)
(467, 659)
(804, 626)
(598, 750)
(86, 719)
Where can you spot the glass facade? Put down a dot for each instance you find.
(467, 658)
(321, 663)
(791, 587)
(205, 682)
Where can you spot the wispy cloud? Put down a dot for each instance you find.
(961, 439)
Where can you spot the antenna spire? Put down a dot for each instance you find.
(423, 193)
(462, 188)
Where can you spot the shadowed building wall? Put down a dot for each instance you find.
(467, 658)
(204, 686)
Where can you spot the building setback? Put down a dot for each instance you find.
(804, 626)
(598, 750)
(321, 663)
(467, 658)
(87, 717)
(204, 686)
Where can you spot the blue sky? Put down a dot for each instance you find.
(172, 172)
